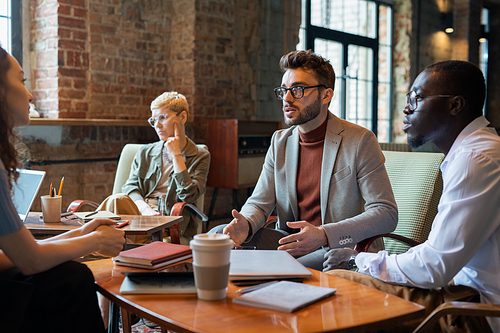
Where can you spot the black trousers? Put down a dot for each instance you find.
(61, 299)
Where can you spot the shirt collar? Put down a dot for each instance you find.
(473, 126)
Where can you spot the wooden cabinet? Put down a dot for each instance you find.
(238, 149)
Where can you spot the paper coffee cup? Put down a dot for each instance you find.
(51, 208)
(211, 253)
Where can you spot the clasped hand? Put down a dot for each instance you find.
(338, 259)
(110, 239)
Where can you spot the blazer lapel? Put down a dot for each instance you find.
(330, 151)
(157, 158)
(292, 163)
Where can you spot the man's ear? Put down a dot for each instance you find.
(457, 105)
(328, 95)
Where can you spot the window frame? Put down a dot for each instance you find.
(16, 24)
(312, 32)
(16, 30)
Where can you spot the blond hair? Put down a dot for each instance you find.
(172, 100)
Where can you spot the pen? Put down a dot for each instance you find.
(50, 190)
(60, 187)
(124, 223)
(91, 213)
(259, 286)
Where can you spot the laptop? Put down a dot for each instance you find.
(265, 265)
(25, 190)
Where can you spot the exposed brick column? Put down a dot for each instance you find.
(44, 36)
(461, 13)
(73, 59)
(403, 14)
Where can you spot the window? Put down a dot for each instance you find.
(5, 25)
(10, 28)
(356, 36)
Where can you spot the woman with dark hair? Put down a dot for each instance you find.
(41, 288)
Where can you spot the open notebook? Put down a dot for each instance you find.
(25, 190)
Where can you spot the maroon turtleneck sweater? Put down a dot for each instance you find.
(309, 174)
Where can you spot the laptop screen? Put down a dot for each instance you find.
(26, 189)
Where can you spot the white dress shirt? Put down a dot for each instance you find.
(464, 243)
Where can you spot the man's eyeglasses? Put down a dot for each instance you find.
(162, 118)
(297, 91)
(412, 97)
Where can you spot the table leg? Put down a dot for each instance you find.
(157, 236)
(114, 318)
(126, 321)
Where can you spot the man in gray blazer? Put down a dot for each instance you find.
(325, 176)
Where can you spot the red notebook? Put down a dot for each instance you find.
(153, 255)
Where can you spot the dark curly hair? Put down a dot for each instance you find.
(8, 152)
(323, 70)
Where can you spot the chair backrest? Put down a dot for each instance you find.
(393, 146)
(125, 164)
(417, 185)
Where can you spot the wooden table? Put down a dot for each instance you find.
(354, 308)
(139, 225)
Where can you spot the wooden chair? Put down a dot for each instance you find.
(458, 308)
(122, 174)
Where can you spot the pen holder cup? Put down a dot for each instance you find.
(51, 208)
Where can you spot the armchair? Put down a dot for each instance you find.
(122, 174)
(417, 185)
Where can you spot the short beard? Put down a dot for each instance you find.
(415, 142)
(309, 113)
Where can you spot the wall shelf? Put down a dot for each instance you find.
(88, 122)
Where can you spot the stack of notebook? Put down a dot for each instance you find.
(153, 255)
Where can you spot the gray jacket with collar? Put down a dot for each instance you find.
(357, 201)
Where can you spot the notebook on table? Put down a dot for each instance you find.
(265, 265)
(26, 189)
(101, 214)
(285, 296)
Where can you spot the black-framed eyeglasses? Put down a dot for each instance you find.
(412, 97)
(297, 91)
(162, 118)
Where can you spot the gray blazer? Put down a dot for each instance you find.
(357, 201)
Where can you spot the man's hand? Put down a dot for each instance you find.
(307, 240)
(338, 259)
(238, 228)
(111, 240)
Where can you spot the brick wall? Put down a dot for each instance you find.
(99, 59)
